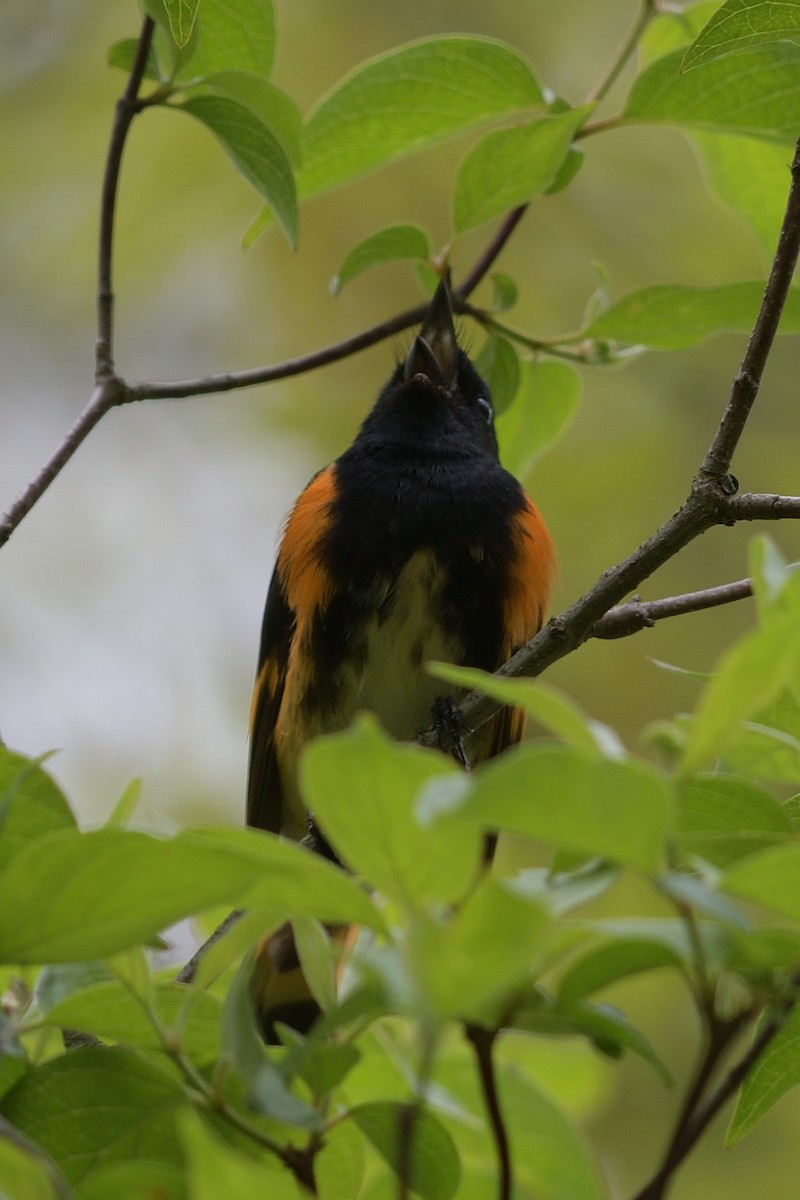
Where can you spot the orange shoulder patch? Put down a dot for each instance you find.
(305, 581)
(531, 578)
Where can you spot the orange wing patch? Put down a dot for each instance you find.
(531, 578)
(305, 581)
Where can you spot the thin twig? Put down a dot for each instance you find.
(482, 1041)
(645, 15)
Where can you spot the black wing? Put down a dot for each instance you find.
(264, 793)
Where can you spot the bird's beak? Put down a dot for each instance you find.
(433, 352)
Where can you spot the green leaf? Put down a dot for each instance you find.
(117, 889)
(666, 317)
(228, 37)
(109, 1011)
(771, 879)
(25, 1176)
(255, 152)
(607, 964)
(750, 675)
(315, 951)
(498, 363)
(556, 1163)
(752, 177)
(182, 15)
(387, 245)
(122, 54)
(31, 804)
(756, 93)
(135, 1179)
(551, 708)
(504, 292)
(97, 1105)
(510, 166)
(216, 1168)
(725, 817)
(542, 411)
(776, 1072)
(411, 98)
(434, 1168)
(272, 107)
(570, 797)
(740, 24)
(671, 30)
(362, 787)
(471, 962)
(125, 807)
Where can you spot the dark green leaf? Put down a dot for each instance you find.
(31, 804)
(542, 411)
(510, 166)
(434, 1166)
(740, 24)
(410, 98)
(135, 1179)
(376, 831)
(775, 1073)
(97, 1105)
(387, 245)
(672, 318)
(256, 153)
(756, 93)
(498, 363)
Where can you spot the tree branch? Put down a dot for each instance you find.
(482, 1041)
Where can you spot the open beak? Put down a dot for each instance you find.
(434, 351)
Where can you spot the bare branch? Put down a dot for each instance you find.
(482, 1041)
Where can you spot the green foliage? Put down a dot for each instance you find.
(180, 1098)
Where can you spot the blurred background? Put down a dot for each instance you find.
(132, 594)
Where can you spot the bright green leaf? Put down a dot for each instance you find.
(776, 1071)
(135, 1179)
(752, 177)
(24, 1175)
(498, 363)
(434, 1168)
(741, 24)
(255, 152)
(551, 708)
(315, 951)
(770, 879)
(504, 292)
(726, 817)
(470, 963)
(97, 1105)
(272, 107)
(109, 1011)
(122, 54)
(362, 787)
(607, 964)
(570, 797)
(387, 245)
(666, 317)
(217, 1169)
(510, 166)
(31, 804)
(672, 30)
(756, 93)
(232, 37)
(182, 15)
(543, 409)
(410, 98)
(117, 889)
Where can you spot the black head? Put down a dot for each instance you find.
(435, 400)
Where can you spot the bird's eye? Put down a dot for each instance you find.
(486, 409)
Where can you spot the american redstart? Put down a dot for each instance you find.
(414, 545)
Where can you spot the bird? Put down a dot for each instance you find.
(414, 545)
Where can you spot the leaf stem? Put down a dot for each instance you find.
(647, 10)
(482, 1041)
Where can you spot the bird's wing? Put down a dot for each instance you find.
(264, 796)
